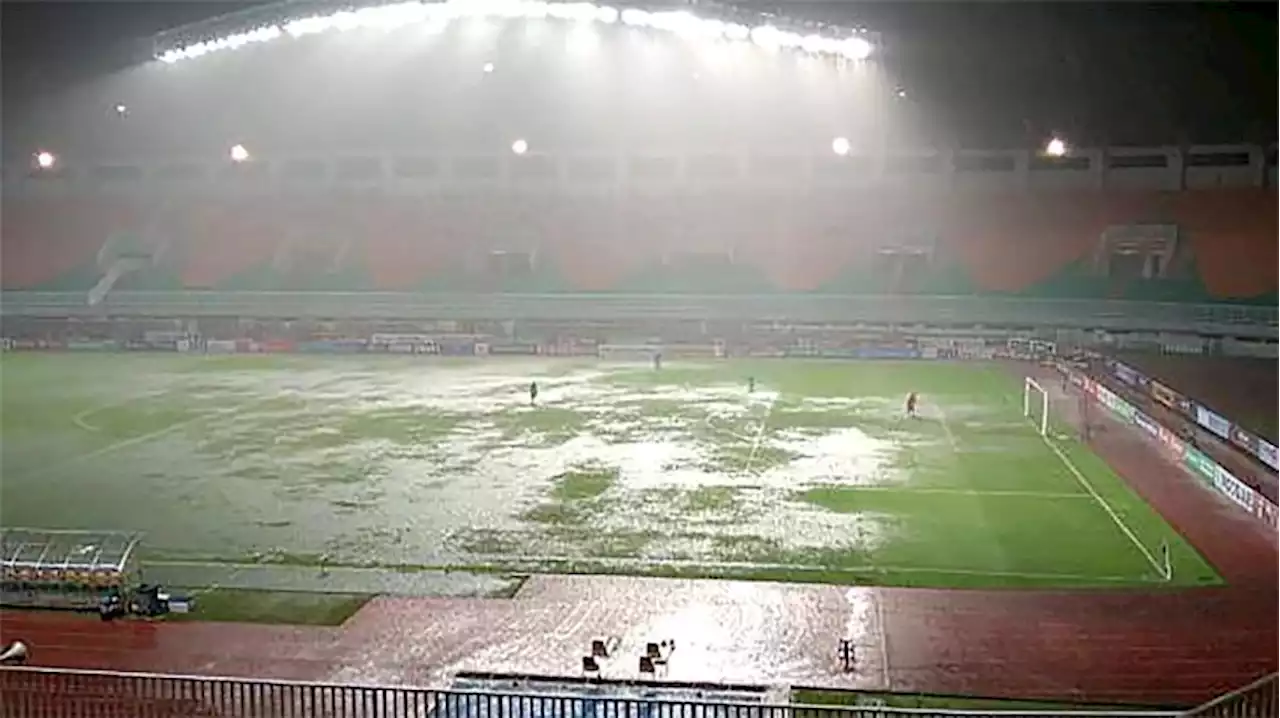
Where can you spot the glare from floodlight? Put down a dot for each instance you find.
(239, 154)
(488, 68)
(45, 160)
(840, 146)
(856, 48)
(121, 110)
(1055, 148)
(519, 147)
(900, 93)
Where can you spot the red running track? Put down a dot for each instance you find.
(1143, 647)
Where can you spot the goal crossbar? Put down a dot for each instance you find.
(1034, 396)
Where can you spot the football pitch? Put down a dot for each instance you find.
(411, 464)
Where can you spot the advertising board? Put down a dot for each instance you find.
(1201, 464)
(92, 345)
(513, 349)
(277, 346)
(1164, 395)
(1173, 443)
(1146, 424)
(1125, 374)
(1267, 452)
(456, 349)
(1213, 422)
(1244, 440)
(1229, 485)
(220, 346)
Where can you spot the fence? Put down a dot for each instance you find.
(58, 693)
(1256, 700)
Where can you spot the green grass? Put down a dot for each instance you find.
(405, 462)
(283, 607)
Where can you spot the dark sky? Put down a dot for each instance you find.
(1120, 72)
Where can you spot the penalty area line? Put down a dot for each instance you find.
(1115, 518)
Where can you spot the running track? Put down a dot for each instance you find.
(1153, 647)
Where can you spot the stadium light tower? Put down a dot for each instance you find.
(1056, 147)
(519, 147)
(239, 154)
(841, 146)
(45, 160)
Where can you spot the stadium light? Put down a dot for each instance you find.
(519, 147)
(832, 42)
(121, 109)
(487, 68)
(900, 93)
(239, 154)
(841, 146)
(1056, 148)
(45, 160)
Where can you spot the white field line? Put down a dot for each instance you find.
(504, 560)
(149, 436)
(82, 419)
(1071, 467)
(755, 442)
(968, 492)
(946, 428)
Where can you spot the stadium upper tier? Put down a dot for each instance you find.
(369, 223)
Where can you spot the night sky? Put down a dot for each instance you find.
(1000, 73)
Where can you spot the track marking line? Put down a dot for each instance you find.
(755, 442)
(1071, 467)
(884, 642)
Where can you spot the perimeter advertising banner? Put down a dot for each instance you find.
(1173, 443)
(1213, 422)
(1201, 464)
(92, 345)
(1125, 374)
(1229, 485)
(513, 349)
(1165, 395)
(1146, 424)
(1267, 452)
(221, 346)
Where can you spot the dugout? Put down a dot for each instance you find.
(59, 569)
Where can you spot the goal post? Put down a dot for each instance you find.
(1035, 405)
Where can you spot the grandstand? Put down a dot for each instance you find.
(527, 189)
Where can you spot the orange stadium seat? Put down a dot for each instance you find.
(53, 243)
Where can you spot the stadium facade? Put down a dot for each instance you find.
(658, 168)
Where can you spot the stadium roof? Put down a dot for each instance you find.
(707, 21)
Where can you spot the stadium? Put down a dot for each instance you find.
(540, 358)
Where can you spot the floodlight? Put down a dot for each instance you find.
(45, 160)
(840, 146)
(239, 154)
(1055, 148)
(488, 67)
(519, 147)
(900, 93)
(121, 110)
(856, 48)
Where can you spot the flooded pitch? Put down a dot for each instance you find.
(408, 464)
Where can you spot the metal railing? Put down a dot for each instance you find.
(55, 693)
(1241, 320)
(1260, 699)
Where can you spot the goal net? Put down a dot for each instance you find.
(1035, 405)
